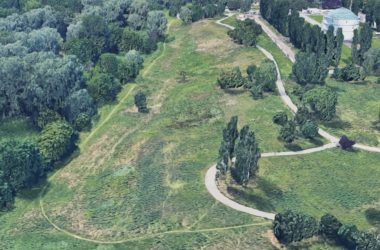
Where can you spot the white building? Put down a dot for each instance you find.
(342, 18)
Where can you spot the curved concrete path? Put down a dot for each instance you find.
(288, 50)
(210, 178)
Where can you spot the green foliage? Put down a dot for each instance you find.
(247, 155)
(103, 88)
(186, 15)
(20, 166)
(290, 226)
(251, 69)
(302, 116)
(321, 101)
(309, 129)
(280, 118)
(57, 140)
(329, 226)
(47, 116)
(140, 102)
(257, 92)
(371, 62)
(227, 147)
(310, 68)
(246, 32)
(288, 132)
(231, 79)
(266, 75)
(349, 73)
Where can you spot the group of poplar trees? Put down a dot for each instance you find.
(238, 153)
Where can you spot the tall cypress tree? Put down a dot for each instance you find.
(330, 44)
(247, 156)
(355, 47)
(338, 46)
(365, 40)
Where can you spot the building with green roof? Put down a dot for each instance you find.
(342, 18)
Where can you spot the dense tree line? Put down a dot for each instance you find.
(290, 226)
(244, 147)
(58, 63)
(258, 79)
(192, 11)
(246, 32)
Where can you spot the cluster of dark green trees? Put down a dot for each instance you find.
(59, 61)
(290, 226)
(238, 152)
(194, 10)
(258, 79)
(246, 32)
(302, 125)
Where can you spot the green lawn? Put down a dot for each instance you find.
(345, 184)
(231, 21)
(140, 177)
(357, 110)
(375, 41)
(318, 18)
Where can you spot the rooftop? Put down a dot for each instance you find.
(342, 14)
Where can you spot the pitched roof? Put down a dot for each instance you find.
(342, 14)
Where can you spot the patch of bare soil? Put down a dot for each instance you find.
(273, 240)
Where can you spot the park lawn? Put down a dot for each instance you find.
(357, 111)
(318, 18)
(375, 41)
(342, 183)
(140, 177)
(231, 20)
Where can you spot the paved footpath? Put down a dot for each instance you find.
(210, 179)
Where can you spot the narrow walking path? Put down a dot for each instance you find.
(288, 50)
(210, 178)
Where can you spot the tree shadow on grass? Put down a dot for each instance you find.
(261, 201)
(293, 147)
(373, 216)
(235, 91)
(337, 123)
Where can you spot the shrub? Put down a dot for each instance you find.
(280, 118)
(231, 79)
(140, 102)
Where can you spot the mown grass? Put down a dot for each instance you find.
(375, 41)
(357, 111)
(143, 174)
(318, 18)
(342, 183)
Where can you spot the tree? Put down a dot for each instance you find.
(290, 226)
(365, 40)
(331, 4)
(57, 140)
(247, 156)
(47, 116)
(246, 32)
(347, 235)
(233, 4)
(251, 71)
(266, 75)
(329, 226)
(140, 102)
(371, 62)
(309, 129)
(339, 38)
(280, 118)
(309, 68)
(79, 109)
(156, 25)
(321, 101)
(231, 79)
(135, 21)
(330, 44)
(245, 5)
(186, 15)
(349, 73)
(302, 115)
(288, 132)
(230, 134)
(355, 54)
(226, 150)
(103, 88)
